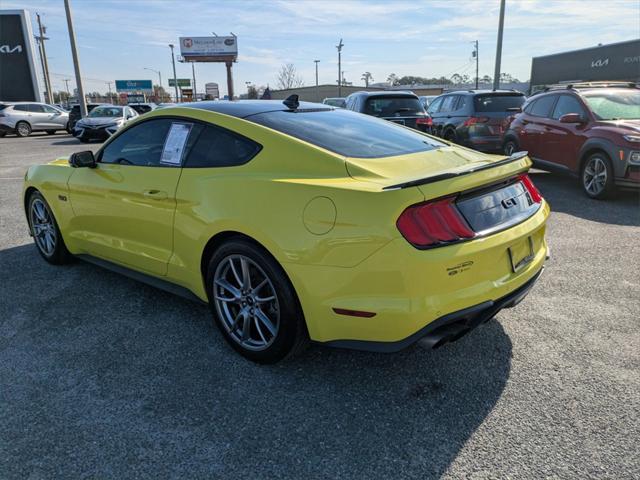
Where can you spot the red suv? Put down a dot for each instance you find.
(589, 129)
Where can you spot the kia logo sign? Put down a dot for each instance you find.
(599, 63)
(229, 42)
(187, 42)
(9, 49)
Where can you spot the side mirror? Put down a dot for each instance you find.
(571, 118)
(82, 159)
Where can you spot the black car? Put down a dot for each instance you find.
(398, 107)
(475, 118)
(74, 113)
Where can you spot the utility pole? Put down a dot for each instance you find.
(496, 75)
(339, 47)
(193, 74)
(159, 79)
(82, 102)
(317, 89)
(43, 57)
(476, 54)
(110, 97)
(175, 78)
(66, 83)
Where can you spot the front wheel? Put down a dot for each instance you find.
(597, 176)
(23, 129)
(510, 147)
(254, 304)
(46, 232)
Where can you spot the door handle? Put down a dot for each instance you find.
(155, 194)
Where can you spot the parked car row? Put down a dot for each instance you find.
(22, 118)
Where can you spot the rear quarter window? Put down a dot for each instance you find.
(217, 147)
(497, 103)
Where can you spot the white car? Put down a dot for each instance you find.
(22, 118)
(102, 122)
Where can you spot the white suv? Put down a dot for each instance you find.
(22, 118)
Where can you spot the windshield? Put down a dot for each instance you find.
(497, 103)
(347, 133)
(106, 112)
(393, 106)
(614, 104)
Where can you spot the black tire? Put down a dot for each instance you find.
(291, 337)
(23, 129)
(510, 146)
(68, 128)
(51, 132)
(450, 135)
(2, 134)
(59, 255)
(602, 186)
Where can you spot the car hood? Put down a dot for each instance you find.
(629, 126)
(99, 120)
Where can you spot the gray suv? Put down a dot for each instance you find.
(22, 118)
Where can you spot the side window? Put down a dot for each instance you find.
(21, 108)
(34, 108)
(448, 103)
(542, 106)
(463, 102)
(567, 104)
(529, 107)
(217, 147)
(435, 105)
(140, 145)
(49, 109)
(350, 103)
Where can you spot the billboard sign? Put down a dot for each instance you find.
(134, 86)
(18, 77)
(618, 61)
(209, 49)
(182, 82)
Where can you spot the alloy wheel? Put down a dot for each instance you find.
(594, 177)
(246, 302)
(23, 129)
(43, 228)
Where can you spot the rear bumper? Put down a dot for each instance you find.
(447, 328)
(408, 289)
(484, 144)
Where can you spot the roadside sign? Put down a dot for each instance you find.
(182, 82)
(209, 49)
(134, 86)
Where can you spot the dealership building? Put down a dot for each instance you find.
(615, 61)
(19, 80)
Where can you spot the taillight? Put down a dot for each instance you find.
(424, 121)
(434, 223)
(473, 120)
(531, 188)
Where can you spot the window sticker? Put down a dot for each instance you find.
(175, 143)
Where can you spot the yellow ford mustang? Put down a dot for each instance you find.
(299, 221)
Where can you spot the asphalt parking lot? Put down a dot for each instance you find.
(105, 377)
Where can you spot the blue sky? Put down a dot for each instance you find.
(118, 38)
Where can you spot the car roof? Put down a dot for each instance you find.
(246, 108)
(483, 92)
(387, 93)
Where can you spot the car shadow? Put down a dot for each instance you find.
(115, 373)
(564, 194)
(68, 141)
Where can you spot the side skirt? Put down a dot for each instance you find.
(143, 277)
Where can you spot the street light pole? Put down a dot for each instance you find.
(317, 89)
(43, 57)
(496, 75)
(82, 102)
(477, 55)
(66, 83)
(175, 78)
(159, 77)
(193, 74)
(339, 47)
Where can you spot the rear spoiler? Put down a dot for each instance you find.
(444, 176)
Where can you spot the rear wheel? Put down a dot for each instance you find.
(23, 129)
(450, 135)
(597, 176)
(510, 147)
(254, 304)
(46, 232)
